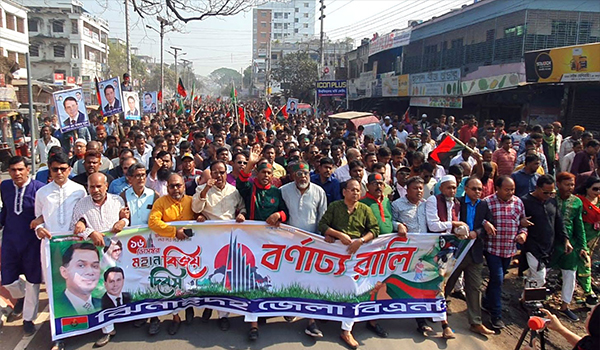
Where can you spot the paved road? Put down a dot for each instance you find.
(275, 334)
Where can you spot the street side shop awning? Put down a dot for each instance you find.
(491, 84)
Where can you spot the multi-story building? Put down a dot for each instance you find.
(290, 21)
(66, 39)
(14, 38)
(472, 58)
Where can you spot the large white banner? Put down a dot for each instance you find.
(246, 269)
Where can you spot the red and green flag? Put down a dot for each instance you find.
(446, 150)
(76, 323)
(181, 89)
(233, 94)
(98, 95)
(181, 107)
(268, 113)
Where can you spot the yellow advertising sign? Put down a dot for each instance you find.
(403, 84)
(564, 64)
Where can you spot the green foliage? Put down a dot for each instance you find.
(223, 76)
(297, 73)
(117, 63)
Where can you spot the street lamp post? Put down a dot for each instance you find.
(163, 24)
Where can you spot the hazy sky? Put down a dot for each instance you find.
(227, 41)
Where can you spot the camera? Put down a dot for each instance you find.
(532, 300)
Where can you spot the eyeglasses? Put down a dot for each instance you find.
(139, 176)
(595, 189)
(61, 169)
(314, 152)
(301, 173)
(476, 189)
(242, 163)
(174, 186)
(404, 173)
(549, 193)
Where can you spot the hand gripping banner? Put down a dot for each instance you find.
(248, 269)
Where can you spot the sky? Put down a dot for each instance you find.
(227, 41)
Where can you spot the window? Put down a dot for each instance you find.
(33, 25)
(296, 10)
(286, 15)
(74, 26)
(10, 21)
(278, 15)
(306, 4)
(305, 25)
(263, 24)
(263, 14)
(12, 55)
(286, 25)
(57, 27)
(74, 51)
(21, 59)
(34, 50)
(59, 51)
(296, 30)
(274, 56)
(306, 15)
(20, 25)
(295, 20)
(513, 31)
(263, 35)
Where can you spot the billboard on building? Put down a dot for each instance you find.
(564, 64)
(388, 41)
(331, 88)
(439, 102)
(438, 83)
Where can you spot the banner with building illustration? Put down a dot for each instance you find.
(245, 269)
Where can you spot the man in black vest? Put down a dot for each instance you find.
(476, 214)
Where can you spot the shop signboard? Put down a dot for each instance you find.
(331, 88)
(438, 83)
(564, 64)
(490, 84)
(388, 41)
(439, 102)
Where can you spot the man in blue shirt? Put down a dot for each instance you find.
(322, 177)
(526, 178)
(121, 184)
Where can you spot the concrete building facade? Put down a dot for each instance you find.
(14, 37)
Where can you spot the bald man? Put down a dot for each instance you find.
(343, 173)
(96, 213)
(105, 166)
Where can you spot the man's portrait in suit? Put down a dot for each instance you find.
(132, 109)
(149, 105)
(111, 98)
(75, 116)
(81, 272)
(114, 280)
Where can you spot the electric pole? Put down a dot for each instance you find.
(176, 50)
(321, 55)
(127, 37)
(163, 22)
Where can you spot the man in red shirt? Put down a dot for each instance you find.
(468, 130)
(505, 156)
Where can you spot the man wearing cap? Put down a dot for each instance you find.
(306, 203)
(567, 143)
(188, 168)
(387, 124)
(518, 136)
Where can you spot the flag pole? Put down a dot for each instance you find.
(235, 110)
(460, 142)
(244, 123)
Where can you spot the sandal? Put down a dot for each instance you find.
(253, 334)
(448, 333)
(424, 329)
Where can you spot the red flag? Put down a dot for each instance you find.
(160, 96)
(98, 95)
(242, 116)
(447, 149)
(268, 113)
(406, 116)
(181, 89)
(284, 111)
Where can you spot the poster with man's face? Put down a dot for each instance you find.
(132, 105)
(292, 105)
(110, 96)
(70, 108)
(149, 102)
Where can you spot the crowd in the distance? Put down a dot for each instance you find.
(515, 187)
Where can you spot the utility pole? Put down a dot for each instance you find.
(321, 55)
(127, 37)
(176, 50)
(186, 73)
(163, 23)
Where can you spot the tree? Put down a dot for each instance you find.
(192, 10)
(117, 63)
(222, 77)
(248, 76)
(298, 74)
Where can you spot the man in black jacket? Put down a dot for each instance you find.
(477, 215)
(114, 280)
(547, 228)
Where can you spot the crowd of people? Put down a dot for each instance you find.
(513, 188)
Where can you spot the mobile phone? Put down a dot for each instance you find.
(188, 232)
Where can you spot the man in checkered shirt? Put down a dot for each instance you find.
(510, 219)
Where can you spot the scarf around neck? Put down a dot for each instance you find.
(379, 203)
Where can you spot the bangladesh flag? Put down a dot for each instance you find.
(181, 89)
(233, 94)
(448, 148)
(71, 324)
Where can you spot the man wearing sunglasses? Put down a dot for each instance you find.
(547, 230)
(175, 206)
(54, 203)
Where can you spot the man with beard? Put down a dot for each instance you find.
(217, 200)
(20, 246)
(175, 206)
(91, 164)
(158, 175)
(263, 202)
(354, 224)
(142, 151)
